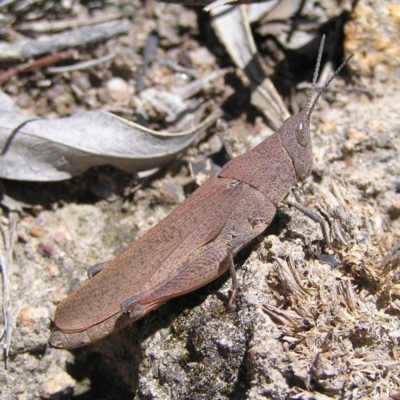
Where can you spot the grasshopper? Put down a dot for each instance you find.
(196, 243)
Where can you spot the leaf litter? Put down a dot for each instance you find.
(35, 149)
(312, 321)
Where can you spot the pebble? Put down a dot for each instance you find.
(56, 384)
(28, 316)
(118, 90)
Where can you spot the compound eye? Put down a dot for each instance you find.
(302, 134)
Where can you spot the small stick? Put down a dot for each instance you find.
(5, 264)
(39, 63)
(62, 25)
(81, 66)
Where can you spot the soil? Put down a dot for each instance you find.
(312, 319)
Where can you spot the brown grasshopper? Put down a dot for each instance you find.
(196, 243)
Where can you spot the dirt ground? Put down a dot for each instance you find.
(312, 320)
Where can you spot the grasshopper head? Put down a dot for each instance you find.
(295, 131)
(295, 138)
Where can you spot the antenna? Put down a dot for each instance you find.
(327, 82)
(316, 72)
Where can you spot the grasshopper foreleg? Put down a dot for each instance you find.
(314, 216)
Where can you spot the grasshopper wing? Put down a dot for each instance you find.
(154, 257)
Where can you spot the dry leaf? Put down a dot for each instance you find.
(35, 149)
(231, 24)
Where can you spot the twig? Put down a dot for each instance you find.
(149, 54)
(176, 67)
(30, 48)
(82, 65)
(62, 25)
(39, 63)
(195, 86)
(6, 306)
(212, 4)
(5, 264)
(5, 3)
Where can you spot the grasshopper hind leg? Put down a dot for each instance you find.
(201, 267)
(237, 242)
